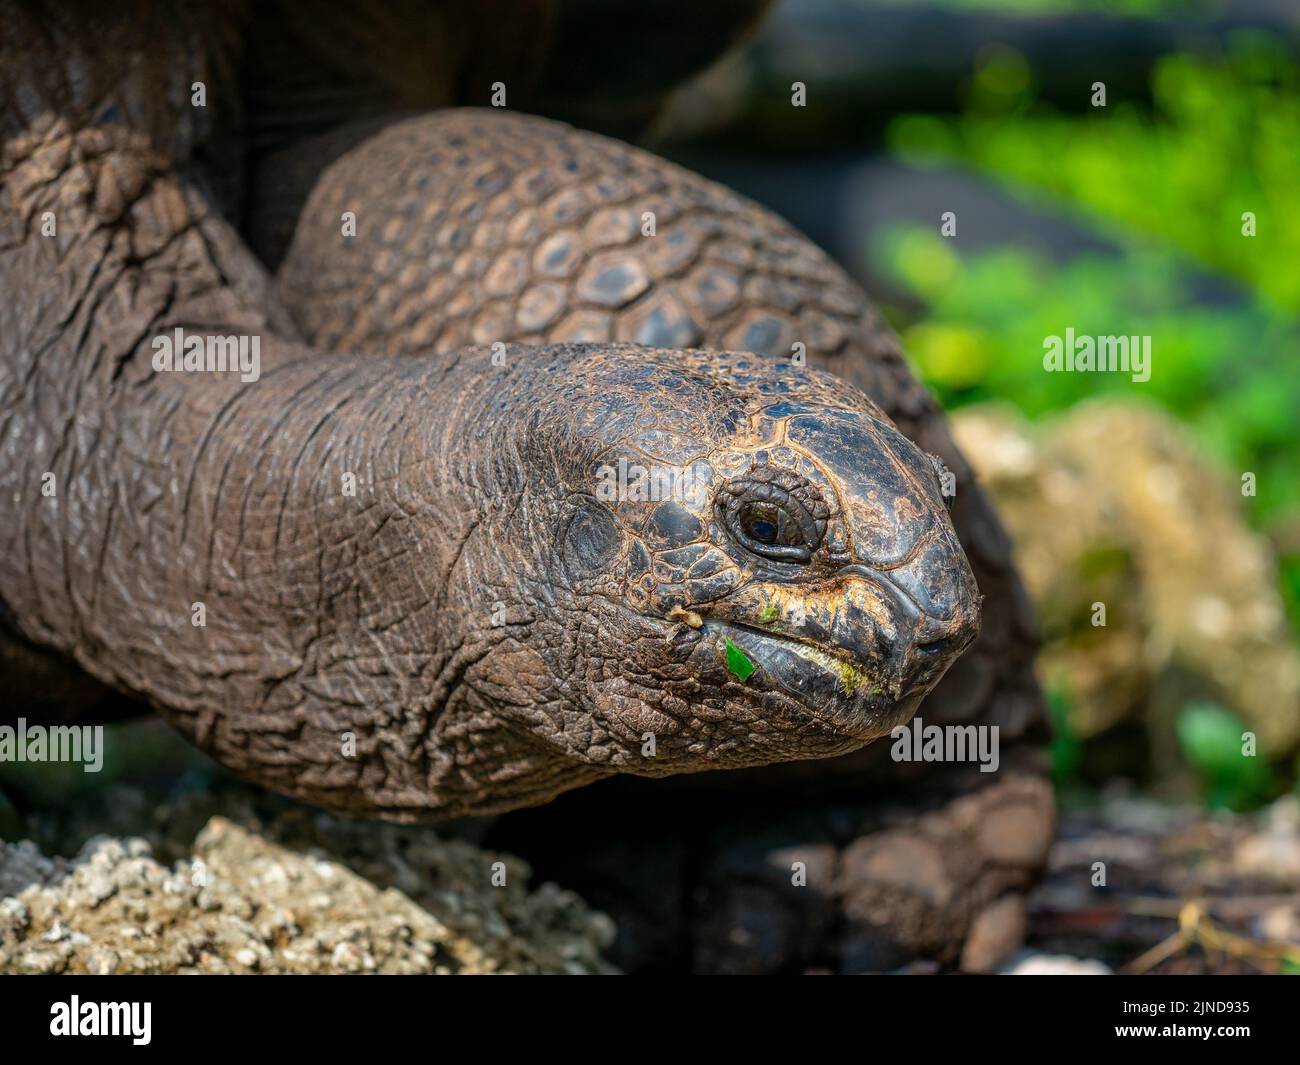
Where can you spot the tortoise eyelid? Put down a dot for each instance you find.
(737, 501)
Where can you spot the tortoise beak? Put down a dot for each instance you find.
(936, 615)
(861, 651)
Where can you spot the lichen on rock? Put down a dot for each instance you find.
(276, 897)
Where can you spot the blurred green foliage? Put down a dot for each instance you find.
(140, 752)
(1231, 373)
(1211, 741)
(1221, 137)
(1065, 753)
(1165, 181)
(1167, 184)
(1054, 7)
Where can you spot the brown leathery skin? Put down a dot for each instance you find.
(480, 226)
(175, 489)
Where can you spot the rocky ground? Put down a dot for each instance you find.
(1183, 891)
(222, 878)
(267, 887)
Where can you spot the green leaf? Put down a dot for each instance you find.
(738, 663)
(1065, 750)
(1211, 740)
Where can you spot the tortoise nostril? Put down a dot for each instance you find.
(925, 661)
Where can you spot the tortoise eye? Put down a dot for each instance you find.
(769, 524)
(761, 529)
(773, 513)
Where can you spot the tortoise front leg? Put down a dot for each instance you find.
(926, 876)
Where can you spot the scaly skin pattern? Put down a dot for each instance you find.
(389, 577)
(474, 226)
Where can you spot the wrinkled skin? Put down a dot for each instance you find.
(613, 614)
(474, 628)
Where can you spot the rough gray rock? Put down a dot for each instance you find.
(277, 898)
(1184, 891)
(1112, 503)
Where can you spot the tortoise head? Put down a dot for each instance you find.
(756, 565)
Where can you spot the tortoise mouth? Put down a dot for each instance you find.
(847, 692)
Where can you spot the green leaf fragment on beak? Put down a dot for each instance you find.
(738, 663)
(767, 616)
